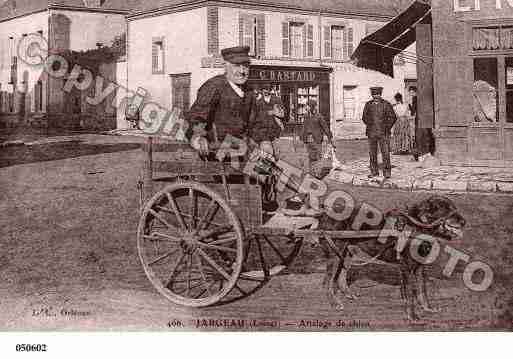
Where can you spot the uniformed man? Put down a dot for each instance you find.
(223, 101)
(379, 117)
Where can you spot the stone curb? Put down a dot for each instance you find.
(424, 185)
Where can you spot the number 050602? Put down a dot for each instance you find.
(30, 347)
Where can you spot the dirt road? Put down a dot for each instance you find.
(68, 258)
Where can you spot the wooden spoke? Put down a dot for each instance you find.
(223, 240)
(217, 224)
(162, 257)
(171, 277)
(271, 244)
(161, 237)
(218, 248)
(193, 208)
(178, 215)
(209, 215)
(162, 220)
(200, 267)
(216, 232)
(213, 264)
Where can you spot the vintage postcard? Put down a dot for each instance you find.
(250, 166)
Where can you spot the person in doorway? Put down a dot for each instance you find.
(379, 117)
(402, 132)
(424, 141)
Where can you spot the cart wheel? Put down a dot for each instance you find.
(190, 243)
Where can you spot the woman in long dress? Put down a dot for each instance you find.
(402, 133)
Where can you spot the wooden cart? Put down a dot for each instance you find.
(201, 237)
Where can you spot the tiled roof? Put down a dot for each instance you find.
(388, 8)
(15, 8)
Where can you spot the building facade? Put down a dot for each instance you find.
(472, 45)
(301, 51)
(27, 94)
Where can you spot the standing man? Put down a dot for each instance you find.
(379, 117)
(223, 101)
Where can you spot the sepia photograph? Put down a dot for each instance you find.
(255, 166)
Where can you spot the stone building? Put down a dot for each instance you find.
(27, 94)
(301, 48)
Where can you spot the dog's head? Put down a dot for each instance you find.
(440, 213)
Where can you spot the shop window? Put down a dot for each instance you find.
(509, 89)
(181, 85)
(157, 55)
(485, 89)
(492, 38)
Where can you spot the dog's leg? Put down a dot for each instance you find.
(343, 279)
(422, 297)
(333, 287)
(409, 293)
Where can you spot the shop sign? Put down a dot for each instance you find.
(477, 5)
(284, 75)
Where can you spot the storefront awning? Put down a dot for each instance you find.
(377, 50)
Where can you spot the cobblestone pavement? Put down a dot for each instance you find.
(410, 175)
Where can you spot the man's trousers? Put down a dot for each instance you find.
(384, 145)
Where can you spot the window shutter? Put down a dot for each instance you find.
(155, 57)
(249, 33)
(285, 39)
(241, 30)
(213, 29)
(304, 40)
(327, 41)
(310, 41)
(261, 35)
(348, 42)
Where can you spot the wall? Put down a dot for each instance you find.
(88, 28)
(16, 28)
(184, 47)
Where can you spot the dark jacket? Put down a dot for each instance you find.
(379, 117)
(218, 103)
(316, 126)
(263, 127)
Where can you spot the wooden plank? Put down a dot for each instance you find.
(194, 168)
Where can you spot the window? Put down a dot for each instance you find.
(492, 38)
(252, 33)
(348, 43)
(249, 34)
(338, 42)
(296, 39)
(157, 55)
(485, 90)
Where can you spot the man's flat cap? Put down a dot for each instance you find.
(376, 90)
(236, 55)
